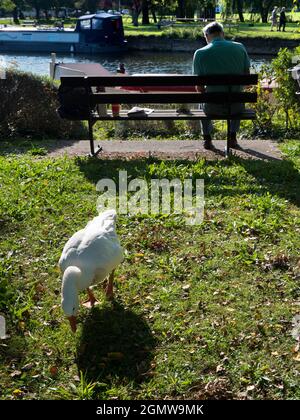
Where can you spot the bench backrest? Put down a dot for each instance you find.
(146, 81)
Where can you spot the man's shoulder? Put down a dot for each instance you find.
(202, 51)
(237, 45)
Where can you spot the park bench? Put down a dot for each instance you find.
(29, 23)
(165, 23)
(230, 25)
(156, 89)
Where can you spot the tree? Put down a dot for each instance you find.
(7, 5)
(240, 5)
(181, 9)
(40, 5)
(136, 10)
(145, 12)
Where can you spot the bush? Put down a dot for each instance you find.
(28, 108)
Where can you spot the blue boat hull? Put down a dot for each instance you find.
(58, 47)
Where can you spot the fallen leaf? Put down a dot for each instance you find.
(28, 366)
(17, 392)
(22, 325)
(220, 368)
(16, 373)
(53, 371)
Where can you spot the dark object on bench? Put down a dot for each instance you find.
(73, 103)
(119, 96)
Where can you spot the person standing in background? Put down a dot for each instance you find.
(282, 20)
(274, 18)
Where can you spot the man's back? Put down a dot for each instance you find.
(221, 57)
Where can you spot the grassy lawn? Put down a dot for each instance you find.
(183, 30)
(200, 312)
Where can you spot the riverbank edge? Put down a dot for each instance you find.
(259, 45)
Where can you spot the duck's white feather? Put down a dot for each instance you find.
(93, 252)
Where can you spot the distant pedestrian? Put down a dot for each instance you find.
(282, 20)
(274, 21)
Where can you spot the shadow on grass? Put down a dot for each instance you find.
(15, 349)
(115, 343)
(281, 178)
(35, 147)
(278, 177)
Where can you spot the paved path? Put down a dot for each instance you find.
(168, 149)
(165, 149)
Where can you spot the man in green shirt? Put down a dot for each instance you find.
(220, 57)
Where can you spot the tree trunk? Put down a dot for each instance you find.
(15, 15)
(181, 9)
(135, 18)
(264, 15)
(145, 12)
(264, 10)
(136, 9)
(190, 12)
(37, 12)
(240, 4)
(153, 14)
(46, 14)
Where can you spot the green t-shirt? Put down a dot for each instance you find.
(221, 57)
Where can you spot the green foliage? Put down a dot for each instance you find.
(279, 110)
(7, 5)
(287, 86)
(29, 108)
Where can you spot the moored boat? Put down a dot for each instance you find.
(97, 33)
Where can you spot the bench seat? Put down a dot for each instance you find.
(171, 114)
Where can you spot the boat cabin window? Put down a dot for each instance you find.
(97, 24)
(115, 24)
(85, 25)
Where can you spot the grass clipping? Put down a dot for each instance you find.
(28, 108)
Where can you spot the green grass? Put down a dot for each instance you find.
(182, 31)
(195, 306)
(259, 30)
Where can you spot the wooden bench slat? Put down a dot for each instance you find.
(248, 114)
(161, 80)
(172, 97)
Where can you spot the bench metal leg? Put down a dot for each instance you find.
(91, 137)
(227, 147)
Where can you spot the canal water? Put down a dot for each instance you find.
(135, 62)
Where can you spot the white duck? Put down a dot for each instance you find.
(88, 257)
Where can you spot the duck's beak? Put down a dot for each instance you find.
(73, 323)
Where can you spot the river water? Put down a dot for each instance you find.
(135, 62)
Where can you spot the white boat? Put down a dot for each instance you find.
(95, 33)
